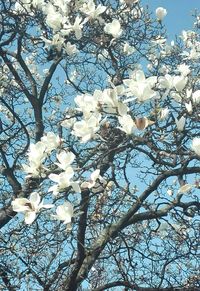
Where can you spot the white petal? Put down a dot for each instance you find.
(54, 177)
(68, 219)
(95, 175)
(30, 217)
(35, 198)
(19, 204)
(76, 187)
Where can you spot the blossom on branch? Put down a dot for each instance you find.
(161, 13)
(65, 213)
(30, 207)
(113, 28)
(93, 177)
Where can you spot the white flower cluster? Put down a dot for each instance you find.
(96, 109)
(57, 13)
(37, 155)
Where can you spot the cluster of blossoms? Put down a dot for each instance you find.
(58, 18)
(97, 108)
(37, 155)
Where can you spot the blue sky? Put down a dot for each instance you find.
(179, 15)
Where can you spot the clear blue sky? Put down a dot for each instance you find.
(179, 15)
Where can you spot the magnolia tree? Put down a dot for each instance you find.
(100, 147)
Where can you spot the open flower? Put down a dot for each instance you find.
(36, 156)
(196, 96)
(113, 28)
(51, 141)
(34, 169)
(63, 181)
(37, 152)
(30, 207)
(86, 129)
(53, 19)
(88, 104)
(65, 159)
(180, 82)
(127, 124)
(140, 87)
(78, 26)
(91, 11)
(65, 212)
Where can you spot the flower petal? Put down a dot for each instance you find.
(30, 216)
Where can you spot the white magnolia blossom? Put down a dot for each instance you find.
(180, 82)
(88, 104)
(110, 103)
(193, 54)
(91, 11)
(140, 86)
(68, 122)
(51, 141)
(86, 129)
(63, 181)
(38, 152)
(196, 145)
(161, 13)
(53, 18)
(187, 35)
(113, 28)
(127, 124)
(65, 212)
(36, 156)
(65, 159)
(34, 169)
(30, 207)
(166, 82)
(169, 82)
(56, 41)
(180, 123)
(176, 96)
(78, 26)
(93, 177)
(159, 41)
